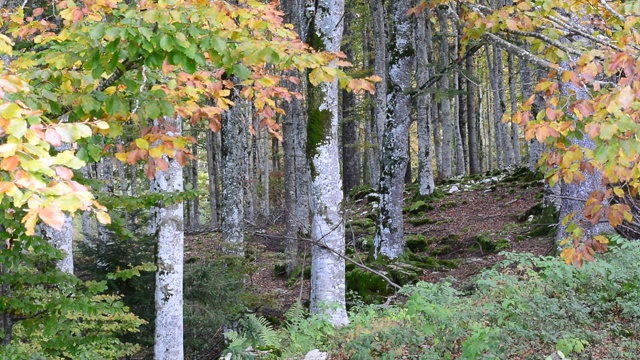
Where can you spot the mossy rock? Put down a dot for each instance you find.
(360, 223)
(420, 221)
(430, 262)
(534, 210)
(448, 205)
(371, 287)
(486, 244)
(403, 273)
(544, 224)
(366, 243)
(360, 192)
(420, 206)
(435, 195)
(441, 250)
(416, 243)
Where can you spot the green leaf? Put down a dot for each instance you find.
(241, 71)
(146, 32)
(165, 43)
(97, 32)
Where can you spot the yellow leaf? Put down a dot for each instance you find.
(121, 156)
(102, 125)
(601, 239)
(618, 191)
(103, 217)
(142, 144)
(7, 150)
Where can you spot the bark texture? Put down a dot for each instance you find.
(169, 225)
(233, 139)
(425, 157)
(327, 229)
(390, 238)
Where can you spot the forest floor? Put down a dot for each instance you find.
(451, 236)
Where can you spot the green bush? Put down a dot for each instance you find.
(525, 305)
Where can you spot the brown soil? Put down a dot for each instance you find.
(493, 209)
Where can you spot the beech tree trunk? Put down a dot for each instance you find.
(425, 157)
(535, 147)
(380, 69)
(169, 225)
(212, 176)
(390, 238)
(63, 241)
(327, 231)
(233, 141)
(447, 120)
(472, 122)
(515, 133)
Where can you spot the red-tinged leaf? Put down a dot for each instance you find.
(150, 170)
(10, 163)
(577, 261)
(551, 113)
(214, 125)
(64, 172)
(294, 80)
(252, 130)
(133, 157)
(52, 216)
(162, 164)
(53, 137)
(38, 11)
(181, 158)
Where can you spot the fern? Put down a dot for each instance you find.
(260, 332)
(295, 315)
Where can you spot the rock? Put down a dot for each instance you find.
(454, 189)
(315, 354)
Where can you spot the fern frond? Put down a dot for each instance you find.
(295, 315)
(261, 331)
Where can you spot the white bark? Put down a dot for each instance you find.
(63, 241)
(390, 238)
(169, 225)
(425, 156)
(233, 169)
(444, 168)
(327, 269)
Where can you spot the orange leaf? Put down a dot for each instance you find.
(181, 158)
(10, 163)
(64, 172)
(52, 216)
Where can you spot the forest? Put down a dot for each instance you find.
(319, 179)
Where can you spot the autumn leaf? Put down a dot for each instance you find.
(52, 216)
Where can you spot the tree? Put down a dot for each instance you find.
(169, 227)
(389, 241)
(327, 226)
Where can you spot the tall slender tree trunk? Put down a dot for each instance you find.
(515, 133)
(264, 169)
(390, 238)
(457, 118)
(526, 80)
(169, 225)
(425, 157)
(294, 130)
(212, 177)
(327, 231)
(380, 69)
(447, 120)
(195, 203)
(233, 141)
(472, 122)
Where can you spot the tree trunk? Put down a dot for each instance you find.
(457, 119)
(447, 121)
(380, 69)
(425, 157)
(212, 178)
(327, 230)
(264, 169)
(472, 122)
(169, 225)
(195, 203)
(535, 147)
(233, 140)
(515, 133)
(63, 241)
(350, 150)
(390, 238)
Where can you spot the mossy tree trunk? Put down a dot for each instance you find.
(327, 225)
(233, 141)
(390, 239)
